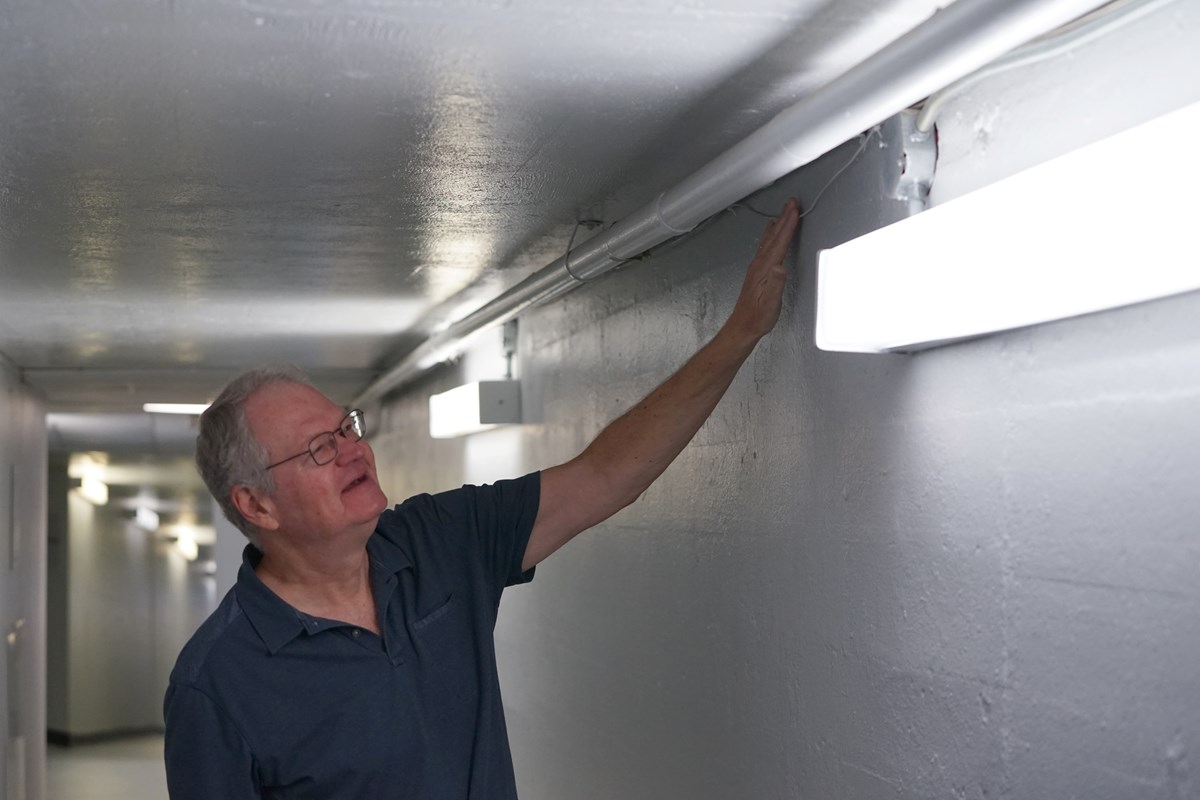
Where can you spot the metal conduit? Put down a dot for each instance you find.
(951, 44)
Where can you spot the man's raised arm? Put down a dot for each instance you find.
(633, 451)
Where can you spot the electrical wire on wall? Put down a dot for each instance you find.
(862, 148)
(808, 208)
(1075, 34)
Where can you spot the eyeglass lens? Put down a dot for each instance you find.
(324, 446)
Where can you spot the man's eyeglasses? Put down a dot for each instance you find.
(324, 447)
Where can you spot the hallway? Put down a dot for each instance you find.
(962, 570)
(122, 769)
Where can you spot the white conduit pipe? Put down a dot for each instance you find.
(951, 44)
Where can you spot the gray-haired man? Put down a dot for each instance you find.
(354, 657)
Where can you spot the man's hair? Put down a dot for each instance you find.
(227, 454)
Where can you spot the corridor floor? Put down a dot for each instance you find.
(125, 769)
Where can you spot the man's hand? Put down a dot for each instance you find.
(758, 305)
(632, 452)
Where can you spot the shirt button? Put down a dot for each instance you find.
(356, 632)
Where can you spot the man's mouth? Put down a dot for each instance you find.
(355, 483)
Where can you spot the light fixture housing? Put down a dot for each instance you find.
(146, 518)
(186, 543)
(92, 489)
(474, 407)
(1108, 225)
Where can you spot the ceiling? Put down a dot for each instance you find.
(192, 187)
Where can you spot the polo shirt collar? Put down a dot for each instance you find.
(275, 620)
(386, 556)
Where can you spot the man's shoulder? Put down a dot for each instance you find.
(453, 501)
(220, 630)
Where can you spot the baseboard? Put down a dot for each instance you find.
(64, 739)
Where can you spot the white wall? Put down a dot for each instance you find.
(22, 587)
(965, 573)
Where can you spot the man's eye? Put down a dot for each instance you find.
(324, 450)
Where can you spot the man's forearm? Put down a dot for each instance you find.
(630, 453)
(636, 448)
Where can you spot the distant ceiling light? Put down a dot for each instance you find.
(474, 407)
(1108, 225)
(175, 408)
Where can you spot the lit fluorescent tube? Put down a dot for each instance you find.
(474, 407)
(146, 519)
(94, 490)
(1108, 225)
(174, 408)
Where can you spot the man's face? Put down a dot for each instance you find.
(310, 499)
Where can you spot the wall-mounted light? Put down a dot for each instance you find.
(175, 408)
(146, 519)
(1108, 225)
(185, 542)
(94, 490)
(474, 407)
(87, 472)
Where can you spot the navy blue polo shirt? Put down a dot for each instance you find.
(268, 702)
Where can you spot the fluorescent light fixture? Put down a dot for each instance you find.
(146, 519)
(86, 471)
(474, 407)
(94, 490)
(1108, 225)
(174, 408)
(186, 543)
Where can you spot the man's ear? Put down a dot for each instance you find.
(256, 506)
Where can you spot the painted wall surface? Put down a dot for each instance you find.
(22, 588)
(57, 594)
(969, 572)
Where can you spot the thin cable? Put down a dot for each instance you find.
(1071, 36)
(571, 241)
(862, 147)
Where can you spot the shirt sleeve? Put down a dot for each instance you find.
(504, 515)
(206, 756)
(491, 522)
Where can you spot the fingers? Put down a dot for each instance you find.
(778, 235)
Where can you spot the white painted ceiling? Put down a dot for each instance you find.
(192, 187)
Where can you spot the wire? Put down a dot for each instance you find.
(590, 223)
(864, 138)
(862, 147)
(1079, 32)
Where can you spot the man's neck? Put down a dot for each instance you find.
(321, 581)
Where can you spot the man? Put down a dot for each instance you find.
(354, 657)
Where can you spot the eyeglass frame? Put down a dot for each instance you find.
(347, 423)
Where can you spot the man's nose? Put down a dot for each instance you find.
(350, 450)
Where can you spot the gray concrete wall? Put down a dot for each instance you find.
(22, 588)
(969, 572)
